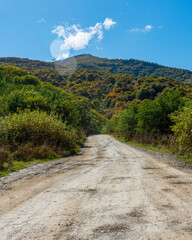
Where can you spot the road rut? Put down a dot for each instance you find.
(108, 191)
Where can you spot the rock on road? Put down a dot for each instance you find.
(108, 191)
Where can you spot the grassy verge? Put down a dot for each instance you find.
(18, 165)
(186, 158)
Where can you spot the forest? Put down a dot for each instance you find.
(38, 120)
(46, 115)
(165, 122)
(109, 93)
(46, 71)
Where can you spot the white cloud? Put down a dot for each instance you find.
(62, 56)
(76, 38)
(147, 28)
(108, 23)
(99, 48)
(59, 30)
(78, 41)
(42, 20)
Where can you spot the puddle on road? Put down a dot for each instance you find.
(111, 229)
(170, 177)
(4, 189)
(150, 168)
(168, 206)
(182, 182)
(188, 229)
(136, 214)
(86, 190)
(120, 178)
(166, 190)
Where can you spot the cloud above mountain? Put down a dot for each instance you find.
(75, 38)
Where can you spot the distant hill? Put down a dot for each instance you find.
(107, 85)
(132, 66)
(46, 70)
(109, 92)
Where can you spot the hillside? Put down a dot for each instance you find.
(97, 84)
(108, 92)
(45, 71)
(132, 66)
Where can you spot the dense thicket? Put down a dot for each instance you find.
(38, 114)
(113, 92)
(165, 121)
(182, 127)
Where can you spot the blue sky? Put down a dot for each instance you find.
(157, 31)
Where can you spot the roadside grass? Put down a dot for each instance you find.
(19, 165)
(185, 157)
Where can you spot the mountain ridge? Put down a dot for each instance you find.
(130, 66)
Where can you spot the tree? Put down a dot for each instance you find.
(154, 115)
(143, 93)
(182, 128)
(127, 122)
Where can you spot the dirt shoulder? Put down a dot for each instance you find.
(168, 158)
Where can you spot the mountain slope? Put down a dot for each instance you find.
(46, 70)
(132, 66)
(108, 92)
(100, 89)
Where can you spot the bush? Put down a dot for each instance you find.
(128, 120)
(13, 71)
(144, 93)
(22, 99)
(4, 156)
(27, 79)
(28, 151)
(182, 128)
(154, 115)
(37, 128)
(68, 111)
(148, 123)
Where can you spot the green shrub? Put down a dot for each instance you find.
(13, 71)
(68, 111)
(128, 120)
(154, 115)
(4, 156)
(30, 99)
(38, 128)
(27, 79)
(28, 152)
(182, 128)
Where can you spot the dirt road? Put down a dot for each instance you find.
(109, 191)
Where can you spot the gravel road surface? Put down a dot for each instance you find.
(109, 191)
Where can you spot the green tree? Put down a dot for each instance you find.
(154, 115)
(182, 128)
(128, 120)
